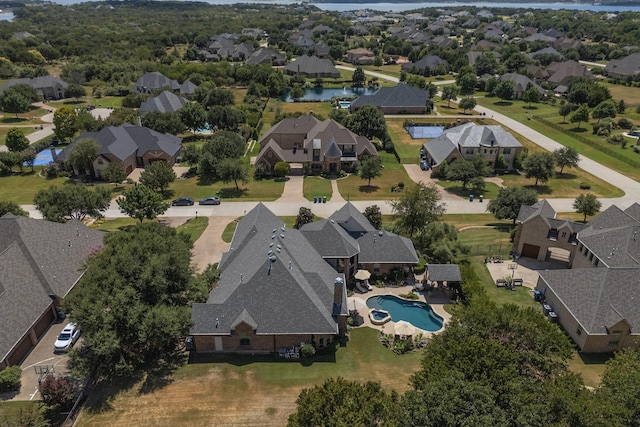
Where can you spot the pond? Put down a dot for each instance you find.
(325, 94)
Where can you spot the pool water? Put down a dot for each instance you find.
(418, 313)
(418, 132)
(43, 158)
(378, 315)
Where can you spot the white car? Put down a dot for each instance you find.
(67, 338)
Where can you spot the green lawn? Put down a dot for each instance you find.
(114, 224)
(565, 185)
(356, 188)
(30, 117)
(104, 102)
(194, 227)
(590, 366)
(263, 190)
(248, 388)
(317, 186)
(10, 411)
(4, 130)
(455, 187)
(21, 188)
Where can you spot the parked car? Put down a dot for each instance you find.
(183, 201)
(209, 201)
(424, 166)
(91, 107)
(67, 338)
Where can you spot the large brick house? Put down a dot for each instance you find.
(281, 287)
(316, 145)
(596, 298)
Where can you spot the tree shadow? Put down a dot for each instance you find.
(13, 120)
(101, 398)
(530, 107)
(566, 176)
(540, 189)
(578, 130)
(232, 192)
(503, 103)
(73, 102)
(158, 375)
(368, 189)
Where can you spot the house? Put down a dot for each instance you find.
(360, 56)
(155, 80)
(321, 50)
(594, 300)
(400, 99)
(315, 145)
(467, 140)
(629, 66)
(426, 65)
(266, 56)
(297, 293)
(521, 84)
(128, 145)
(47, 87)
(312, 67)
(41, 262)
(561, 73)
(166, 102)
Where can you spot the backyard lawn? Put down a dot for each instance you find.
(243, 391)
(21, 188)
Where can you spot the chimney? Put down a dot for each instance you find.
(338, 291)
(53, 152)
(139, 121)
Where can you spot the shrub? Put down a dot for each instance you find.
(10, 379)
(281, 169)
(57, 392)
(342, 174)
(584, 186)
(51, 171)
(625, 123)
(616, 139)
(401, 184)
(409, 295)
(308, 350)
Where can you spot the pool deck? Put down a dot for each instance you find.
(434, 298)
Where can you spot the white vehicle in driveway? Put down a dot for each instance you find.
(67, 338)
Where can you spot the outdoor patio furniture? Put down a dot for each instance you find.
(361, 287)
(501, 283)
(517, 282)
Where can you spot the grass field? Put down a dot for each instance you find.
(356, 188)
(194, 227)
(114, 224)
(246, 392)
(10, 411)
(22, 187)
(31, 117)
(455, 187)
(265, 190)
(4, 130)
(317, 186)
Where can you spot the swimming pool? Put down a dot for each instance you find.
(418, 313)
(43, 158)
(422, 131)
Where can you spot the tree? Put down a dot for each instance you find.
(504, 90)
(73, 201)
(467, 83)
(222, 145)
(305, 216)
(162, 122)
(132, 303)
(193, 116)
(564, 111)
(449, 92)
(65, 120)
(566, 157)
(158, 175)
(509, 200)
(233, 170)
(16, 141)
(605, 109)
(7, 206)
(620, 386)
(580, 115)
(587, 204)
(621, 107)
(13, 101)
(461, 170)
(370, 167)
(74, 90)
(418, 205)
(281, 169)
(141, 202)
(29, 157)
(539, 166)
(114, 173)
(368, 121)
(467, 103)
(374, 215)
(226, 117)
(438, 241)
(57, 392)
(338, 402)
(358, 78)
(530, 96)
(83, 153)
(296, 93)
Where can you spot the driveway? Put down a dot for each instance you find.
(209, 248)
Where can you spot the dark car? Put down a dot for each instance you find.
(209, 201)
(183, 201)
(91, 107)
(424, 166)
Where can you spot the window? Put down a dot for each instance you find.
(321, 342)
(564, 234)
(578, 331)
(506, 151)
(597, 262)
(376, 268)
(100, 161)
(245, 341)
(613, 343)
(469, 151)
(485, 151)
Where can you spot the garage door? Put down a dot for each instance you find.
(530, 251)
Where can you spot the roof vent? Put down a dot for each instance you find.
(289, 265)
(240, 277)
(274, 230)
(273, 236)
(217, 323)
(332, 221)
(282, 236)
(282, 228)
(380, 233)
(271, 244)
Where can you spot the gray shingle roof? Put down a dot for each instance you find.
(312, 65)
(597, 297)
(156, 80)
(401, 95)
(627, 66)
(444, 272)
(429, 61)
(38, 83)
(166, 102)
(122, 141)
(520, 82)
(440, 148)
(541, 207)
(37, 259)
(352, 220)
(330, 240)
(383, 247)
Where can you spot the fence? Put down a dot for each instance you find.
(608, 151)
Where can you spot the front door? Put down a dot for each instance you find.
(332, 167)
(217, 341)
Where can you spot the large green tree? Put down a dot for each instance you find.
(449, 92)
(193, 116)
(114, 173)
(564, 111)
(368, 121)
(580, 115)
(587, 204)
(132, 303)
(461, 170)
(467, 103)
(232, 170)
(539, 166)
(605, 109)
(305, 216)
(83, 154)
(369, 168)
(504, 90)
(141, 202)
(416, 207)
(509, 200)
(358, 78)
(7, 206)
(14, 101)
(374, 215)
(74, 201)
(65, 120)
(163, 122)
(225, 117)
(566, 157)
(76, 91)
(16, 141)
(158, 175)
(531, 95)
(222, 145)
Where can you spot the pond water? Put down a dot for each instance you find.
(325, 94)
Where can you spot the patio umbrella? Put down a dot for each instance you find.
(404, 328)
(362, 275)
